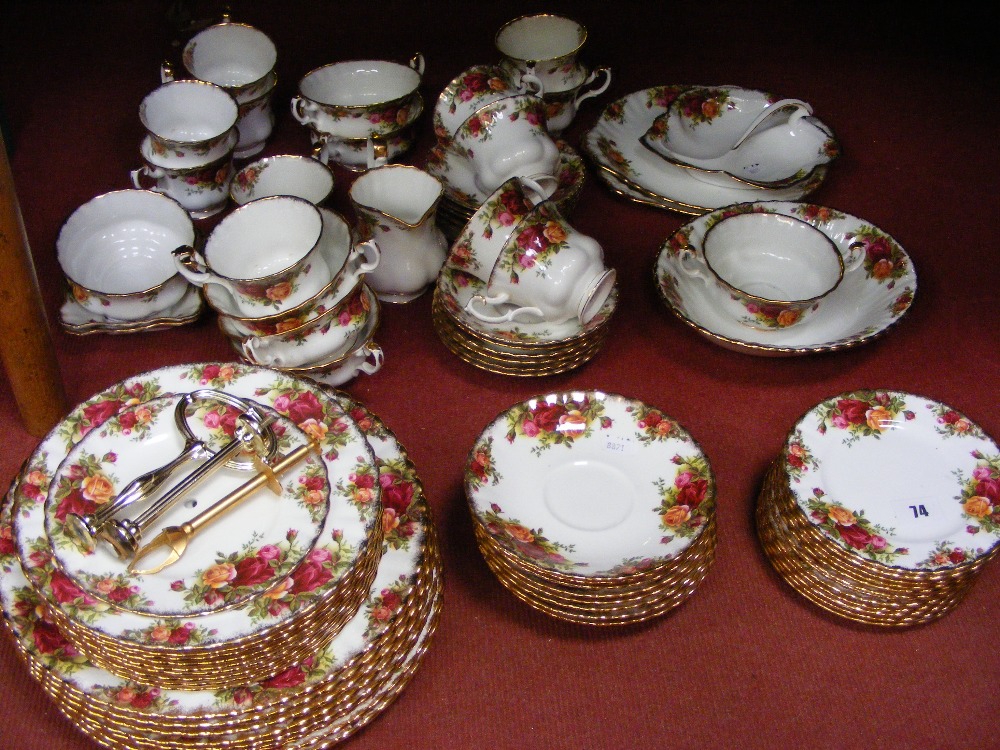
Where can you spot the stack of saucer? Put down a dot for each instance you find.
(346, 670)
(592, 508)
(883, 507)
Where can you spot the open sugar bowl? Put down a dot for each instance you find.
(590, 489)
(188, 122)
(115, 251)
(772, 270)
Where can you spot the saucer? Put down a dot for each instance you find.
(589, 483)
(868, 302)
(614, 147)
(79, 321)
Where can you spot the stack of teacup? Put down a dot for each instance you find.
(523, 292)
(287, 282)
(494, 122)
(355, 106)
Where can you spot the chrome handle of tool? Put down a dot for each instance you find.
(85, 529)
(251, 436)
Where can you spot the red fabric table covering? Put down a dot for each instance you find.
(746, 661)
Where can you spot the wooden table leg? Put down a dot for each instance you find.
(26, 347)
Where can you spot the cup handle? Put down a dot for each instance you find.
(166, 72)
(192, 266)
(378, 152)
(596, 91)
(153, 174)
(540, 186)
(374, 359)
(855, 256)
(498, 300)
(417, 63)
(302, 110)
(249, 349)
(531, 84)
(690, 264)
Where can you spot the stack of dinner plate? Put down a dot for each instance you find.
(592, 507)
(315, 608)
(883, 507)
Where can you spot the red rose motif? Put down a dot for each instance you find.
(391, 599)
(119, 594)
(142, 700)
(65, 591)
(957, 555)
(74, 502)
(396, 495)
(251, 571)
(693, 493)
(879, 249)
(179, 636)
(546, 416)
(990, 489)
(6, 540)
(99, 413)
(289, 678)
(309, 577)
(853, 410)
(48, 638)
(303, 407)
(532, 239)
(127, 420)
(854, 535)
(364, 481)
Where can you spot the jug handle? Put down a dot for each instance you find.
(801, 109)
(374, 358)
(498, 300)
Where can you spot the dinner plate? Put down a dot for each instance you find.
(867, 303)
(589, 483)
(613, 146)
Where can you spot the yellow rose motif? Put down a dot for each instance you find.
(676, 516)
(841, 515)
(105, 586)
(554, 232)
(288, 325)
(882, 269)
(37, 478)
(98, 488)
(572, 421)
(219, 575)
(280, 590)
(314, 429)
(125, 695)
(977, 506)
(363, 495)
(498, 84)
(159, 634)
(787, 317)
(226, 373)
(520, 533)
(879, 419)
(390, 521)
(279, 292)
(313, 497)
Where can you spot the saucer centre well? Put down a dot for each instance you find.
(588, 494)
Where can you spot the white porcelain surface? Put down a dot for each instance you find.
(345, 530)
(286, 174)
(202, 190)
(589, 483)
(190, 118)
(78, 320)
(632, 169)
(896, 478)
(115, 250)
(235, 56)
(545, 46)
(867, 303)
(397, 572)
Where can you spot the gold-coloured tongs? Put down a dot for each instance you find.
(177, 538)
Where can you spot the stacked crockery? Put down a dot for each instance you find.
(187, 152)
(115, 251)
(488, 130)
(353, 107)
(545, 47)
(883, 507)
(343, 675)
(241, 60)
(287, 282)
(592, 507)
(523, 292)
(693, 149)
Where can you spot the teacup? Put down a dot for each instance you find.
(548, 270)
(481, 241)
(189, 122)
(347, 262)
(264, 254)
(235, 56)
(471, 90)
(287, 174)
(255, 125)
(544, 46)
(324, 336)
(507, 138)
(203, 190)
(360, 98)
(115, 251)
(396, 205)
(773, 270)
(561, 106)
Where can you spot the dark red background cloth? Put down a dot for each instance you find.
(746, 662)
